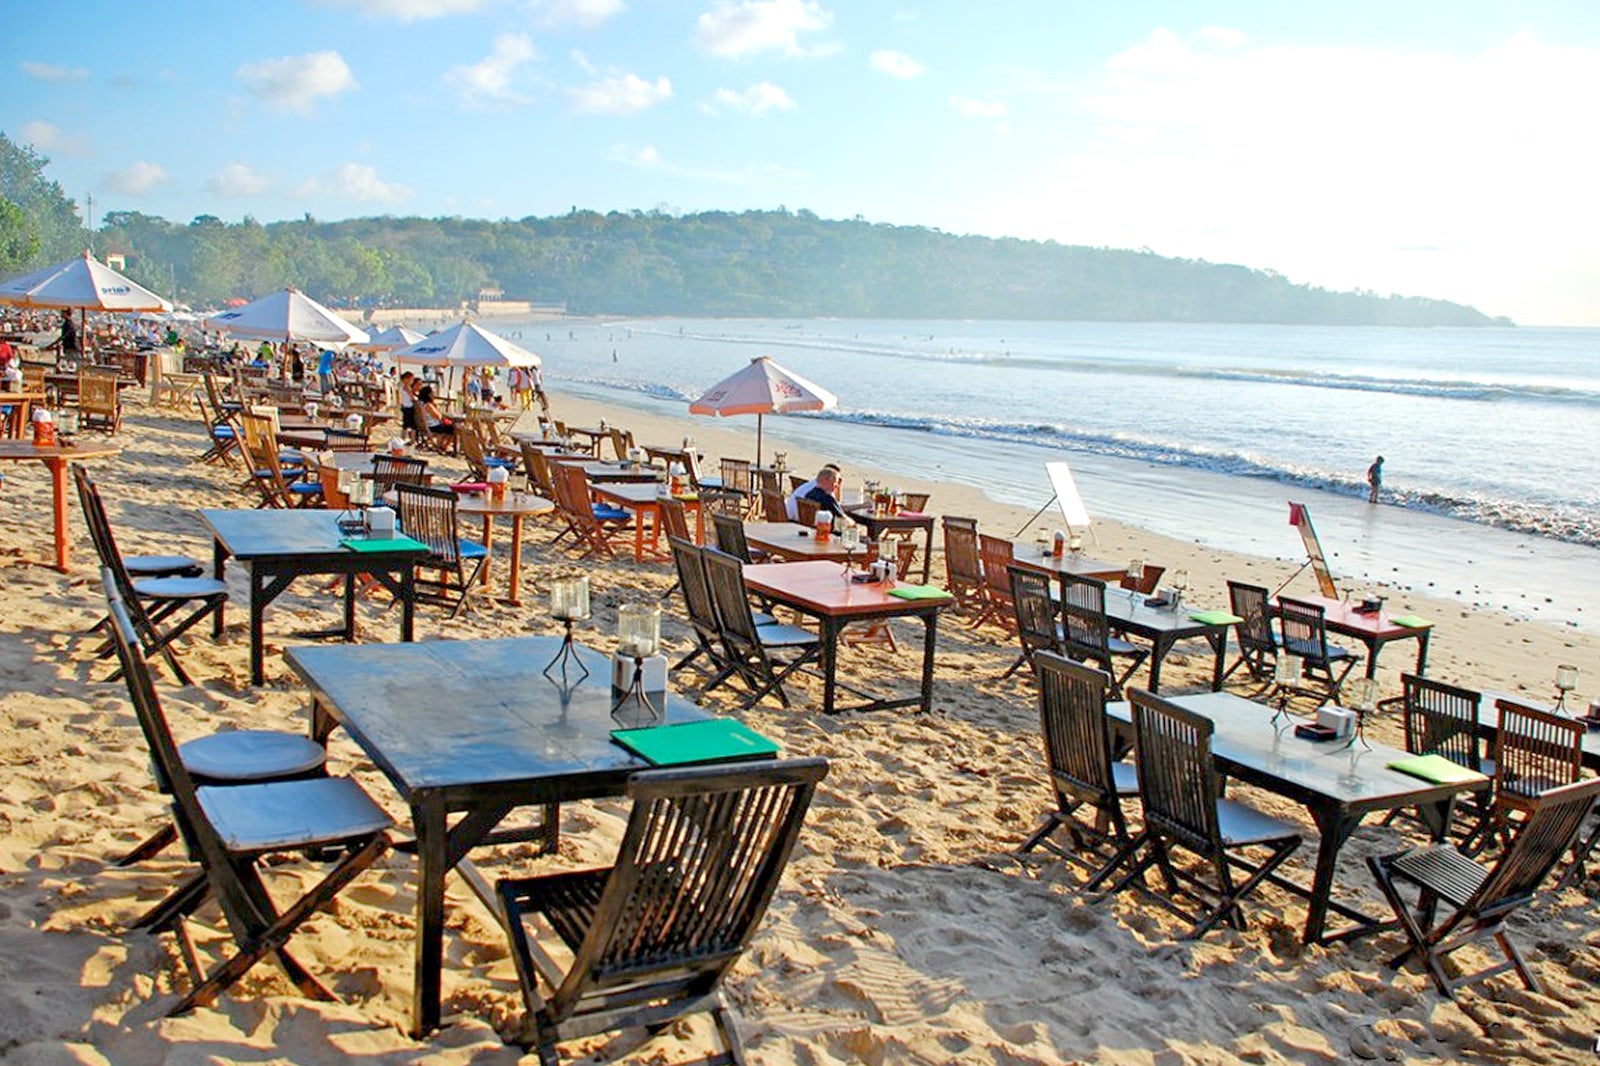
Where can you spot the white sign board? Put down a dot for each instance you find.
(1067, 498)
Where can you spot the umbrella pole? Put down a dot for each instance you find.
(758, 438)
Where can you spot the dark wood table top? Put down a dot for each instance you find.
(897, 520)
(1350, 776)
(466, 713)
(821, 588)
(1342, 617)
(1126, 609)
(269, 534)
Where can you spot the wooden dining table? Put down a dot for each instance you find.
(644, 500)
(16, 412)
(792, 542)
(514, 507)
(822, 590)
(474, 728)
(55, 459)
(1373, 629)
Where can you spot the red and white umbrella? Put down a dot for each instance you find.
(286, 315)
(763, 388)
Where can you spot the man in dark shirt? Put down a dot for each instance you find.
(819, 490)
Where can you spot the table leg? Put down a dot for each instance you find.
(488, 547)
(1422, 652)
(927, 552)
(350, 606)
(1219, 647)
(219, 566)
(638, 535)
(515, 599)
(930, 632)
(828, 630)
(427, 818)
(1372, 646)
(258, 608)
(1160, 645)
(408, 602)
(699, 523)
(58, 488)
(1334, 824)
(654, 510)
(322, 723)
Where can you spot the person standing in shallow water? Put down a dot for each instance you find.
(1374, 479)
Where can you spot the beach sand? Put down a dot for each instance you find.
(906, 931)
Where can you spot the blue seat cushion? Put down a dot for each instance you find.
(471, 549)
(608, 514)
(306, 488)
(495, 460)
(222, 432)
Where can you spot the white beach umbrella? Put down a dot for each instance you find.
(286, 315)
(389, 339)
(760, 389)
(465, 344)
(83, 284)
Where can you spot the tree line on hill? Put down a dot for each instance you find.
(774, 263)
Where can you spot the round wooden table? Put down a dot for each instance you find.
(515, 506)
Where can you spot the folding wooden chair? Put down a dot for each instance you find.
(1534, 751)
(1303, 631)
(652, 936)
(996, 554)
(151, 601)
(1258, 644)
(762, 655)
(1086, 630)
(597, 527)
(1035, 614)
(701, 611)
(1480, 898)
(1184, 808)
(963, 566)
(99, 404)
(1078, 753)
(232, 830)
(428, 514)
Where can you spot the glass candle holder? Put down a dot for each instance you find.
(360, 492)
(638, 629)
(569, 598)
(1286, 671)
(1566, 681)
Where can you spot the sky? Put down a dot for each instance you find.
(1441, 148)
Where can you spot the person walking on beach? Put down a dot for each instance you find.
(1374, 479)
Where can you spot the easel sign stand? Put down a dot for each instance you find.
(1073, 512)
(1300, 518)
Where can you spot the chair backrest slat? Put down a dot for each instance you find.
(391, 470)
(1035, 611)
(1178, 786)
(674, 518)
(1535, 751)
(1077, 733)
(1254, 632)
(725, 573)
(1304, 629)
(692, 583)
(1083, 617)
(1441, 719)
(730, 536)
(428, 514)
(699, 861)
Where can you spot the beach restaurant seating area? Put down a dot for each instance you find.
(598, 776)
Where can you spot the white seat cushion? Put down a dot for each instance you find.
(251, 755)
(179, 588)
(291, 814)
(782, 636)
(1246, 825)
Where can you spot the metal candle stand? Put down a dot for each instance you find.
(566, 655)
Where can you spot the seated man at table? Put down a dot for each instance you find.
(819, 490)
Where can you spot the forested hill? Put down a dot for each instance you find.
(754, 263)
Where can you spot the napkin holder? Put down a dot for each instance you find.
(380, 523)
(1341, 721)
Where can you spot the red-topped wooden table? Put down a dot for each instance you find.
(1372, 630)
(55, 459)
(644, 500)
(821, 590)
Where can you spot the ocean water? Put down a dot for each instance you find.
(1491, 437)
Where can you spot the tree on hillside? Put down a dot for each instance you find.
(49, 228)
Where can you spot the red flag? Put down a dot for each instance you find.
(1297, 514)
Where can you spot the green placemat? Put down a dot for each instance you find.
(385, 544)
(1411, 621)
(713, 740)
(918, 592)
(1437, 769)
(1215, 618)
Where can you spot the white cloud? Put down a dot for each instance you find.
(741, 29)
(409, 10)
(140, 179)
(356, 182)
(294, 83)
(1464, 176)
(489, 82)
(622, 94)
(238, 180)
(642, 156)
(48, 137)
(587, 14)
(52, 72)
(977, 108)
(894, 64)
(761, 97)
